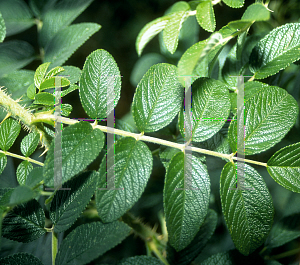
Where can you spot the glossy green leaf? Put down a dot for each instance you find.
(56, 18)
(54, 71)
(80, 145)
(24, 223)
(44, 98)
(248, 210)
(210, 109)
(100, 73)
(14, 54)
(40, 73)
(173, 27)
(29, 143)
(99, 238)
(50, 82)
(72, 73)
(66, 41)
(9, 131)
(185, 204)
(235, 28)
(31, 91)
(70, 89)
(140, 260)
(2, 28)
(187, 255)
(284, 231)
(205, 16)
(132, 169)
(269, 115)
(234, 3)
(276, 51)
(284, 167)
(157, 99)
(20, 259)
(17, 16)
(67, 205)
(257, 12)
(3, 162)
(66, 109)
(149, 31)
(34, 177)
(23, 169)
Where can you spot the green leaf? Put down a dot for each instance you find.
(257, 12)
(95, 83)
(56, 18)
(35, 176)
(234, 3)
(157, 99)
(44, 98)
(23, 170)
(9, 131)
(284, 167)
(20, 259)
(185, 205)
(253, 203)
(72, 73)
(5, 196)
(24, 223)
(19, 195)
(2, 28)
(210, 109)
(140, 260)
(17, 16)
(276, 51)
(31, 91)
(269, 115)
(66, 109)
(284, 231)
(187, 255)
(99, 238)
(67, 41)
(40, 73)
(122, 125)
(205, 16)
(69, 90)
(172, 28)
(50, 82)
(67, 205)
(54, 71)
(14, 54)
(235, 28)
(29, 143)
(80, 145)
(149, 31)
(132, 169)
(3, 162)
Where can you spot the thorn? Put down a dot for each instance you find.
(46, 150)
(7, 116)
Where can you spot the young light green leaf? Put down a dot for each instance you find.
(3, 162)
(206, 117)
(284, 167)
(20, 259)
(185, 203)
(72, 73)
(34, 177)
(276, 51)
(14, 54)
(54, 71)
(67, 205)
(80, 145)
(157, 99)
(205, 16)
(2, 28)
(66, 41)
(269, 115)
(253, 203)
(66, 109)
(99, 238)
(234, 3)
(23, 169)
(24, 223)
(100, 84)
(257, 12)
(69, 90)
(17, 16)
(9, 131)
(44, 98)
(40, 73)
(140, 260)
(31, 91)
(132, 169)
(29, 143)
(50, 82)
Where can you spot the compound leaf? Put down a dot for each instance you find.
(157, 99)
(185, 200)
(234, 3)
(205, 16)
(29, 143)
(67, 205)
(132, 169)
(2, 28)
(80, 145)
(100, 84)
(98, 238)
(276, 51)
(9, 131)
(20, 259)
(140, 260)
(24, 223)
(66, 41)
(248, 210)
(210, 109)
(23, 169)
(284, 167)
